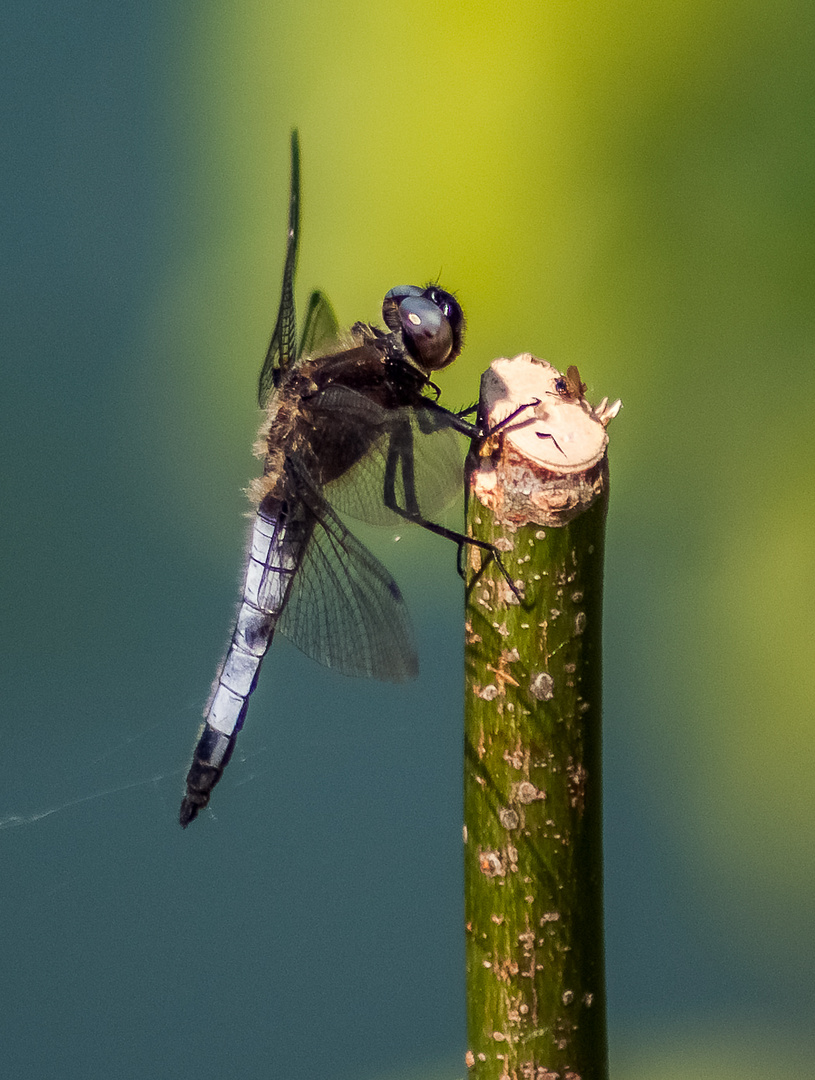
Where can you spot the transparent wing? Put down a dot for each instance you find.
(428, 452)
(344, 608)
(282, 350)
(320, 326)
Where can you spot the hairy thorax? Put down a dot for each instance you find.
(300, 432)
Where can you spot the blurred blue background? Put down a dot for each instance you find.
(628, 188)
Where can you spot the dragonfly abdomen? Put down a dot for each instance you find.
(273, 560)
(277, 545)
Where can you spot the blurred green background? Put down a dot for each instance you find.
(626, 187)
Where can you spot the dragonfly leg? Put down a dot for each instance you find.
(447, 419)
(456, 421)
(400, 453)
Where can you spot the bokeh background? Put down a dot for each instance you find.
(626, 187)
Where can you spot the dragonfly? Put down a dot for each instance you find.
(353, 425)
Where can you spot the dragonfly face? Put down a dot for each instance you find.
(352, 425)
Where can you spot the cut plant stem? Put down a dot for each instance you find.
(537, 491)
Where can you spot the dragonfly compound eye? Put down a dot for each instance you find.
(432, 325)
(431, 322)
(447, 305)
(426, 332)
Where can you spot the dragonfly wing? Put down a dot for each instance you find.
(282, 351)
(421, 441)
(344, 608)
(320, 325)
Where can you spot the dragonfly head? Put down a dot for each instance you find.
(430, 321)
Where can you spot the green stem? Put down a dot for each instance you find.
(533, 799)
